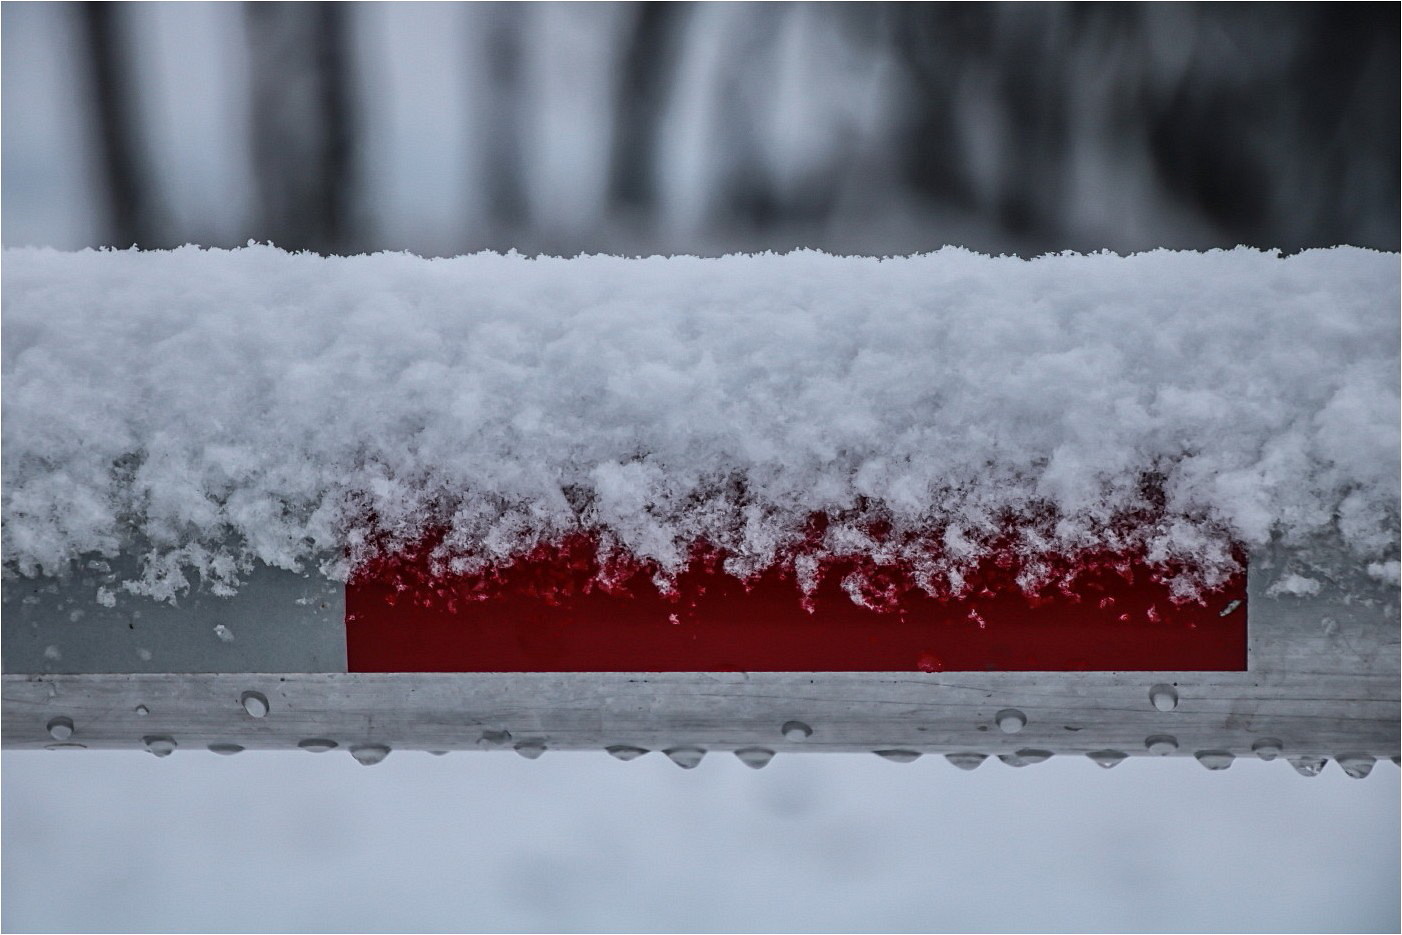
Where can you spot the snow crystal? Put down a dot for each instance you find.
(208, 409)
(1293, 585)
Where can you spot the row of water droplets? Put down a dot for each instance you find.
(1163, 697)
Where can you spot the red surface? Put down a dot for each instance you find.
(548, 612)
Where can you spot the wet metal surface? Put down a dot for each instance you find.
(1322, 682)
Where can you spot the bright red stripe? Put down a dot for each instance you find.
(547, 613)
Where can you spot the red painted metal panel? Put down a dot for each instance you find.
(549, 612)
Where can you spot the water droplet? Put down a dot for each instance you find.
(1107, 759)
(1229, 608)
(317, 744)
(1010, 720)
(160, 745)
(225, 749)
(898, 756)
(494, 738)
(1025, 757)
(1161, 744)
(142, 710)
(60, 728)
(624, 752)
(224, 633)
(1309, 765)
(1356, 765)
(255, 703)
(65, 746)
(51, 652)
(1163, 697)
(438, 753)
(368, 754)
(755, 757)
(530, 749)
(796, 731)
(1397, 761)
(1214, 759)
(1267, 748)
(685, 757)
(966, 760)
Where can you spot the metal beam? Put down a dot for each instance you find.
(1322, 681)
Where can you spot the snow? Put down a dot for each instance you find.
(215, 408)
(1295, 585)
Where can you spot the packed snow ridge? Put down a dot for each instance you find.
(211, 409)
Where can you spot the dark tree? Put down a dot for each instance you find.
(503, 149)
(645, 76)
(1269, 124)
(303, 129)
(1284, 132)
(121, 162)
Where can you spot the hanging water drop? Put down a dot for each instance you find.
(1267, 748)
(438, 753)
(368, 754)
(1356, 765)
(624, 752)
(1309, 765)
(966, 760)
(255, 703)
(494, 738)
(1107, 759)
(225, 749)
(796, 731)
(685, 757)
(1010, 720)
(899, 756)
(60, 728)
(1025, 757)
(1163, 697)
(755, 757)
(1161, 744)
(530, 749)
(1214, 759)
(160, 745)
(317, 744)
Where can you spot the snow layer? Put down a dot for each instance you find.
(213, 408)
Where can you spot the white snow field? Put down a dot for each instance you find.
(219, 408)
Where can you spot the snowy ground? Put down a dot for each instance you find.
(572, 842)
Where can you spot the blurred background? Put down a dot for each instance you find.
(679, 127)
(704, 128)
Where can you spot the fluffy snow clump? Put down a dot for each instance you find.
(212, 408)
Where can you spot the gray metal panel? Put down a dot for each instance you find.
(1322, 681)
(86, 623)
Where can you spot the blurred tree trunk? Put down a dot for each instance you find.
(131, 216)
(302, 124)
(507, 204)
(649, 61)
